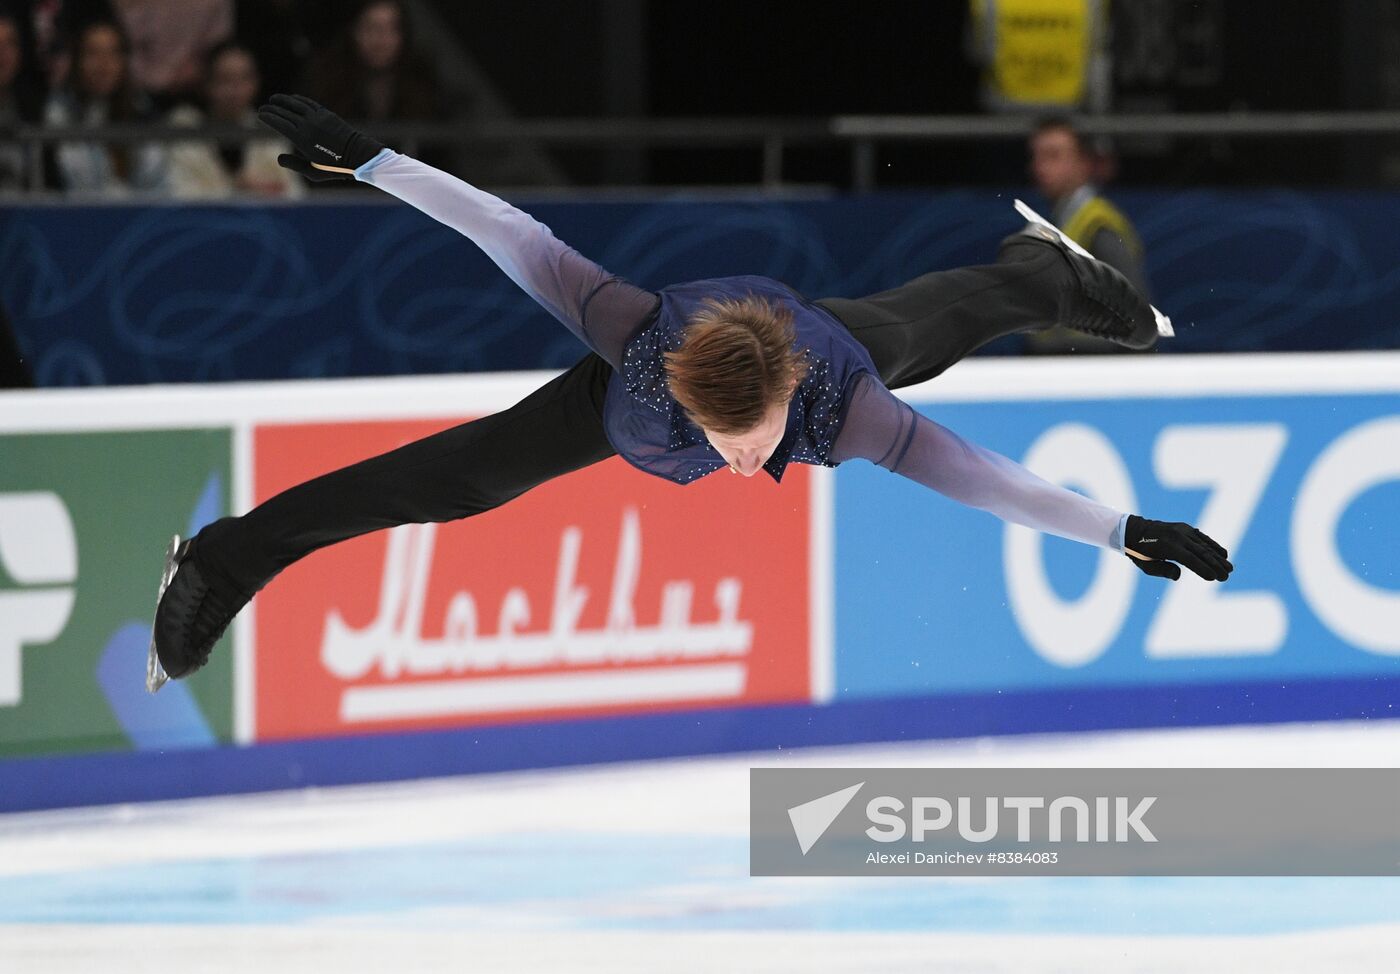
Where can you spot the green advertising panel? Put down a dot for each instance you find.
(84, 522)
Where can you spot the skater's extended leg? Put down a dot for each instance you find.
(453, 474)
(917, 330)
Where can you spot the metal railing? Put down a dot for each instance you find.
(770, 137)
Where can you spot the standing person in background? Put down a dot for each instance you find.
(1062, 165)
(211, 170)
(21, 98)
(170, 43)
(100, 91)
(372, 73)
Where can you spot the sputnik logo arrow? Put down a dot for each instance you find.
(810, 820)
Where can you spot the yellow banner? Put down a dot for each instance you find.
(1042, 50)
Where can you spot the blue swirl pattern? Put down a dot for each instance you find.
(136, 294)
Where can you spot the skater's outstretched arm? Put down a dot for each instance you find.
(600, 308)
(885, 430)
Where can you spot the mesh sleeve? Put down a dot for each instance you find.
(885, 430)
(600, 308)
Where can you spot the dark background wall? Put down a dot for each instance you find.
(818, 58)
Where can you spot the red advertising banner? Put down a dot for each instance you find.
(606, 591)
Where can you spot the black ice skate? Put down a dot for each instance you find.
(1104, 304)
(190, 618)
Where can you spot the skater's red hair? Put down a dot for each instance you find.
(736, 362)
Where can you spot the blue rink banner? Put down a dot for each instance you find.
(1303, 489)
(130, 294)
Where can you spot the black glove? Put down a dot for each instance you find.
(319, 135)
(1160, 540)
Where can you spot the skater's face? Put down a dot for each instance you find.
(747, 453)
(1058, 164)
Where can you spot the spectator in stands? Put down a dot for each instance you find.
(100, 92)
(1063, 167)
(54, 26)
(170, 44)
(372, 73)
(21, 98)
(211, 170)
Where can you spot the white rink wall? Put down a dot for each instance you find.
(840, 606)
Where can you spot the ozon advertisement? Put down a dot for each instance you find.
(1302, 487)
(606, 591)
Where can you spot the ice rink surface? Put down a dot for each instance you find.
(644, 867)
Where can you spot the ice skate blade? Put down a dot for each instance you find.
(1164, 324)
(155, 673)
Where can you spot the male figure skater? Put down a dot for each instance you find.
(738, 372)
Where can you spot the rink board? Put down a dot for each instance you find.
(365, 286)
(609, 615)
